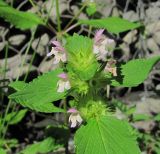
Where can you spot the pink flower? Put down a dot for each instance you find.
(74, 118)
(98, 35)
(59, 52)
(63, 84)
(63, 76)
(100, 45)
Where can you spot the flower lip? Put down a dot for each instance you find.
(62, 76)
(72, 110)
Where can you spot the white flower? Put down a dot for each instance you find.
(59, 52)
(110, 67)
(74, 118)
(100, 45)
(63, 84)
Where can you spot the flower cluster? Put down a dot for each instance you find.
(60, 56)
(100, 49)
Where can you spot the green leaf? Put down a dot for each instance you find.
(156, 147)
(81, 59)
(43, 147)
(131, 110)
(2, 151)
(134, 72)
(15, 117)
(106, 135)
(9, 142)
(91, 9)
(112, 24)
(39, 93)
(44, 107)
(18, 85)
(20, 19)
(157, 150)
(157, 117)
(141, 117)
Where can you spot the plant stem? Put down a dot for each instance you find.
(5, 63)
(89, 32)
(70, 28)
(50, 9)
(49, 26)
(76, 16)
(30, 64)
(7, 124)
(4, 119)
(66, 123)
(26, 52)
(108, 91)
(65, 108)
(58, 16)
(5, 67)
(32, 3)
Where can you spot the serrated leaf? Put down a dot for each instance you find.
(20, 19)
(43, 107)
(112, 24)
(42, 147)
(39, 93)
(134, 72)
(106, 135)
(18, 85)
(81, 59)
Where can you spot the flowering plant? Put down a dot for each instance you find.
(77, 90)
(84, 70)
